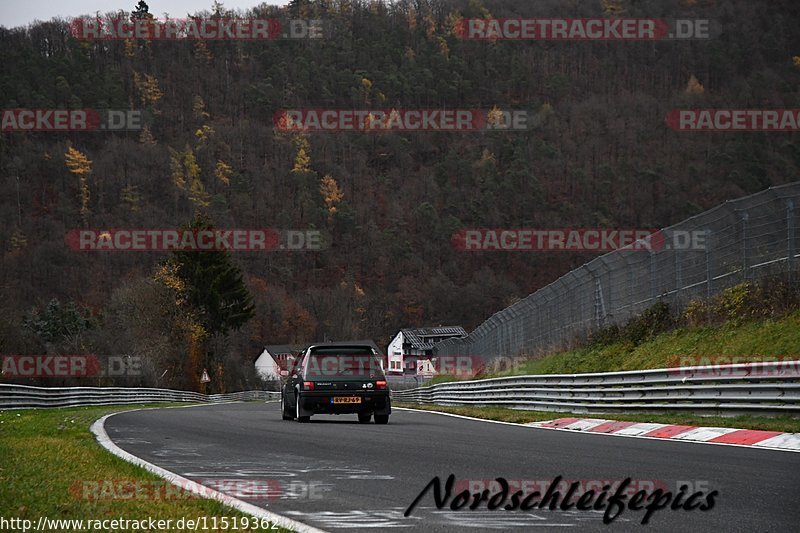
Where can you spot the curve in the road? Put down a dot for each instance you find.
(99, 431)
(337, 474)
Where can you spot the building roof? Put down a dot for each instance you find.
(277, 349)
(280, 349)
(417, 337)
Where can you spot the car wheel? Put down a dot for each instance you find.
(297, 411)
(364, 418)
(381, 419)
(284, 414)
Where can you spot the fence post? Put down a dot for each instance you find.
(745, 217)
(708, 263)
(573, 305)
(790, 251)
(652, 275)
(632, 295)
(599, 304)
(678, 277)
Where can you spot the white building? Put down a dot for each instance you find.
(410, 351)
(274, 359)
(277, 357)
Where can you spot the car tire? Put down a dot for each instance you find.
(364, 418)
(284, 414)
(297, 411)
(381, 419)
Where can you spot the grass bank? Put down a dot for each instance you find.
(49, 458)
(751, 341)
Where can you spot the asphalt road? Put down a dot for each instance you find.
(336, 474)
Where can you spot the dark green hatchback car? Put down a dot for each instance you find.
(336, 379)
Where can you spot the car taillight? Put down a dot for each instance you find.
(308, 385)
(380, 384)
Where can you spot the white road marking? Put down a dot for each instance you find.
(98, 428)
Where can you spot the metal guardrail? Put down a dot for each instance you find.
(748, 387)
(22, 396)
(408, 381)
(246, 396)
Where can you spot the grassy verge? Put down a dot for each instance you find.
(749, 341)
(48, 454)
(752, 341)
(784, 423)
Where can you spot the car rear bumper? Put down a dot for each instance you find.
(320, 402)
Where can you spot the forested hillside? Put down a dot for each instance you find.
(387, 202)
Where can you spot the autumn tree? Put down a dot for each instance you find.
(223, 172)
(131, 198)
(332, 195)
(186, 176)
(694, 86)
(302, 159)
(601, 157)
(148, 88)
(80, 165)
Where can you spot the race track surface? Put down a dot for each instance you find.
(338, 475)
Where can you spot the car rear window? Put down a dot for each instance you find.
(343, 363)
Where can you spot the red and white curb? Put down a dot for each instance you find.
(774, 440)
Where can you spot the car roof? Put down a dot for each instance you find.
(338, 345)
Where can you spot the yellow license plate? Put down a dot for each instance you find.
(346, 399)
